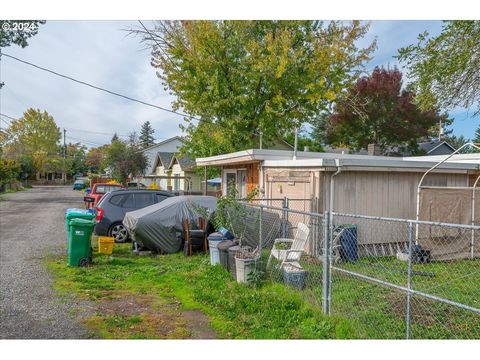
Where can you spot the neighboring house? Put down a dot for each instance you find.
(436, 148)
(169, 145)
(50, 177)
(175, 173)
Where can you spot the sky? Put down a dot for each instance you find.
(102, 53)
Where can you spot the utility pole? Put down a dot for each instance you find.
(64, 157)
(295, 145)
(1, 86)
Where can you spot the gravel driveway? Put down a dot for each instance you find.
(31, 227)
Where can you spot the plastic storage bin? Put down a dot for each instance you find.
(105, 244)
(294, 276)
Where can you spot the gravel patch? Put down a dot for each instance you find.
(32, 226)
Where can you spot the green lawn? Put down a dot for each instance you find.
(163, 287)
(147, 297)
(380, 312)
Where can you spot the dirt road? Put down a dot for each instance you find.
(31, 227)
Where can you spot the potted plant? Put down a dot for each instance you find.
(246, 262)
(231, 214)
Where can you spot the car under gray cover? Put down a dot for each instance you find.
(156, 227)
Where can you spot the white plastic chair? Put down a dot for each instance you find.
(297, 248)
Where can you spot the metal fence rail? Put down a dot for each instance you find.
(393, 278)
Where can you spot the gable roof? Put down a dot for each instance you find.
(432, 145)
(179, 138)
(164, 159)
(167, 160)
(186, 163)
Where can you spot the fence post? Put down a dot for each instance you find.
(409, 280)
(330, 262)
(260, 236)
(287, 206)
(284, 216)
(325, 269)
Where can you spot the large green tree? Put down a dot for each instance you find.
(146, 135)
(76, 156)
(476, 138)
(385, 114)
(36, 135)
(18, 31)
(445, 70)
(240, 78)
(95, 159)
(125, 158)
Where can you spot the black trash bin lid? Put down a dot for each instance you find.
(233, 249)
(225, 244)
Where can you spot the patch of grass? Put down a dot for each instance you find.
(268, 311)
(380, 312)
(11, 191)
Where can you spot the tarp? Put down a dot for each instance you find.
(449, 205)
(157, 227)
(215, 181)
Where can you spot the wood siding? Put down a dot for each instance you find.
(383, 193)
(253, 174)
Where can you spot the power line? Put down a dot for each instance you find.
(99, 88)
(8, 117)
(81, 130)
(85, 141)
(96, 132)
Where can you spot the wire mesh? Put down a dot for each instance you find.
(405, 278)
(392, 278)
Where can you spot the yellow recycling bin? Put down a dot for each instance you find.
(105, 244)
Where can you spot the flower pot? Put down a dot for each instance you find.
(244, 267)
(294, 276)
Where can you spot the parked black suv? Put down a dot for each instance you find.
(115, 204)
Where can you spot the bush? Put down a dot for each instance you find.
(9, 171)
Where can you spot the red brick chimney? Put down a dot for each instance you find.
(374, 150)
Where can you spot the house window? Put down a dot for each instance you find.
(229, 181)
(58, 175)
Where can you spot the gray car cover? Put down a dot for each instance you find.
(156, 227)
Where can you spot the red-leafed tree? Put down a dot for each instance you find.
(376, 110)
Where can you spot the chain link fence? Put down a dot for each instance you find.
(393, 278)
(403, 278)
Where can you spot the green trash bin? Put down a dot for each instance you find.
(79, 243)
